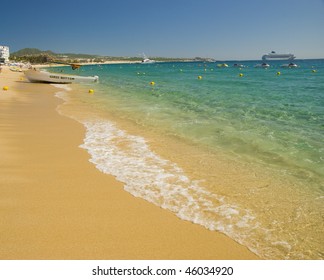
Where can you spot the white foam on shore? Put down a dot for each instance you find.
(62, 86)
(62, 94)
(159, 181)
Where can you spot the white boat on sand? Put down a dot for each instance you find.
(40, 76)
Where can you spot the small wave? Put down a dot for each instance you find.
(159, 181)
(62, 86)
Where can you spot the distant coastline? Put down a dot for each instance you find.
(47, 58)
(36, 56)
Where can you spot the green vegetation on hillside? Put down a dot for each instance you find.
(37, 56)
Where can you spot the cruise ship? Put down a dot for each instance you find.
(278, 56)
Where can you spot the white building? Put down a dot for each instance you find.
(4, 54)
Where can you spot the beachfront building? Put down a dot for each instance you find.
(4, 54)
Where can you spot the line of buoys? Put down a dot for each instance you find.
(5, 88)
(152, 83)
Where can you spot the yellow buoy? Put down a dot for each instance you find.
(5, 88)
(91, 91)
(199, 77)
(241, 75)
(314, 71)
(278, 73)
(152, 83)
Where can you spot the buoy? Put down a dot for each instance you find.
(152, 83)
(314, 71)
(199, 77)
(278, 73)
(91, 91)
(241, 75)
(5, 88)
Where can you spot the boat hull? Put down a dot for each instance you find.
(36, 76)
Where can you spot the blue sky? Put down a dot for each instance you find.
(221, 29)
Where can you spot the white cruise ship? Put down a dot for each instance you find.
(278, 56)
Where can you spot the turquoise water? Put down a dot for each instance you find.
(243, 155)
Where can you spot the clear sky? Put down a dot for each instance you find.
(220, 29)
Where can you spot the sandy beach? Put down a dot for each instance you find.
(55, 204)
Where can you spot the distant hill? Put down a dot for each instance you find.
(31, 51)
(35, 55)
(35, 52)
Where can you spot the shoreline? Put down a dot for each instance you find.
(57, 205)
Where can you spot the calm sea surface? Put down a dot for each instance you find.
(239, 154)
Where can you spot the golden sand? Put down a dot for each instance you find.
(55, 204)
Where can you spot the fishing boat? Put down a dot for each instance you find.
(278, 56)
(40, 76)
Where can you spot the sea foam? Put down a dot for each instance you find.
(159, 181)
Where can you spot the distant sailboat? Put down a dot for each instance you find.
(147, 60)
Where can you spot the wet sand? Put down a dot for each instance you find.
(55, 204)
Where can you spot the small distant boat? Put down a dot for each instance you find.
(222, 65)
(278, 56)
(289, 65)
(147, 60)
(262, 65)
(39, 76)
(236, 65)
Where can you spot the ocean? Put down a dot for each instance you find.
(237, 150)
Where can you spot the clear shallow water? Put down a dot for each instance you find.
(241, 155)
